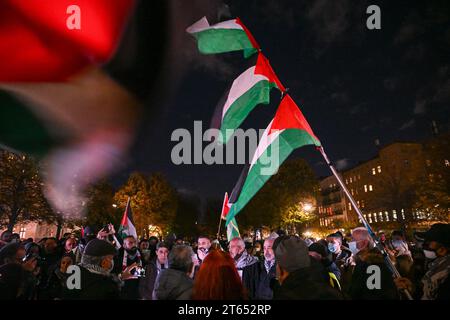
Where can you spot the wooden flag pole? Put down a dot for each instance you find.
(363, 220)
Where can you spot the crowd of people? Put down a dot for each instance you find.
(278, 267)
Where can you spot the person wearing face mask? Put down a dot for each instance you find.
(97, 281)
(436, 281)
(127, 256)
(339, 254)
(365, 254)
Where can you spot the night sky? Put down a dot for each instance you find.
(354, 85)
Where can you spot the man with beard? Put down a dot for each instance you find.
(97, 282)
(240, 255)
(127, 256)
(258, 277)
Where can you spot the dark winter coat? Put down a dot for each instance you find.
(305, 284)
(358, 289)
(173, 284)
(147, 283)
(258, 281)
(94, 286)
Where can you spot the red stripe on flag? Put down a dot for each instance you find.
(225, 206)
(263, 67)
(249, 34)
(37, 45)
(289, 116)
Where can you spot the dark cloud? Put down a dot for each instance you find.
(391, 84)
(340, 97)
(358, 109)
(330, 19)
(342, 164)
(442, 94)
(420, 107)
(409, 124)
(407, 32)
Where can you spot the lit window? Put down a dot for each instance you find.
(379, 169)
(22, 232)
(381, 216)
(358, 203)
(373, 171)
(352, 192)
(403, 214)
(349, 206)
(370, 188)
(362, 203)
(365, 188)
(331, 186)
(387, 216)
(394, 215)
(375, 217)
(370, 218)
(447, 163)
(359, 177)
(350, 179)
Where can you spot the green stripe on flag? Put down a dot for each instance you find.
(212, 41)
(288, 140)
(232, 230)
(240, 109)
(21, 130)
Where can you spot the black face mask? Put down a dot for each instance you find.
(132, 251)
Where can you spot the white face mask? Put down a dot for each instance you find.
(430, 254)
(352, 247)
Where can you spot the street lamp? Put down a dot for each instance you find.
(114, 205)
(307, 207)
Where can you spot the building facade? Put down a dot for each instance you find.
(385, 186)
(39, 230)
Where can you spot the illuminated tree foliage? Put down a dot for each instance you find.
(21, 196)
(280, 202)
(153, 201)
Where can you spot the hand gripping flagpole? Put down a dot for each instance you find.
(364, 221)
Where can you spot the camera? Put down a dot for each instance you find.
(139, 272)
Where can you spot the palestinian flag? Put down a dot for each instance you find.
(251, 88)
(232, 229)
(287, 131)
(127, 225)
(225, 207)
(222, 37)
(38, 44)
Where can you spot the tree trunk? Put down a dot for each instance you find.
(13, 219)
(59, 229)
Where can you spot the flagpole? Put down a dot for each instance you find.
(363, 220)
(220, 223)
(128, 203)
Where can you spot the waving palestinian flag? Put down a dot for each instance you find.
(226, 36)
(251, 88)
(232, 230)
(287, 131)
(225, 207)
(127, 227)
